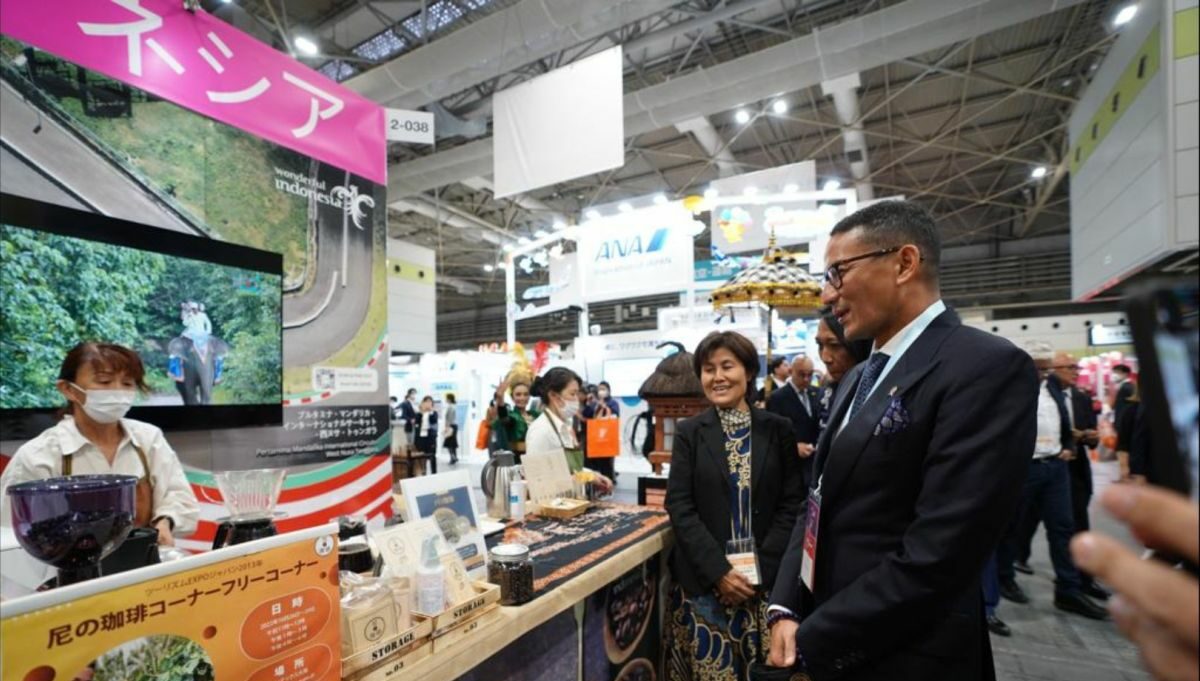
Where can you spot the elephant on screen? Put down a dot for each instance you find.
(196, 367)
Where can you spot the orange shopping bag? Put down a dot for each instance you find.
(603, 438)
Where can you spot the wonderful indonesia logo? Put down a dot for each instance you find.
(346, 197)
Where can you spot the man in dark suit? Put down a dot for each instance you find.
(918, 472)
(799, 402)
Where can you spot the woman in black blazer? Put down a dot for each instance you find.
(734, 476)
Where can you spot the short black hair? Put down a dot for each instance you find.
(450, 398)
(740, 346)
(1123, 368)
(860, 350)
(410, 393)
(895, 223)
(775, 363)
(554, 381)
(605, 385)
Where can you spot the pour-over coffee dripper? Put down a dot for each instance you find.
(250, 497)
(73, 522)
(251, 494)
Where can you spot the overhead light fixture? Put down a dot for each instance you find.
(592, 214)
(711, 193)
(624, 207)
(559, 225)
(791, 188)
(524, 241)
(1038, 172)
(489, 268)
(1066, 82)
(660, 199)
(742, 116)
(507, 248)
(541, 234)
(1126, 15)
(780, 106)
(305, 45)
(832, 185)
(750, 191)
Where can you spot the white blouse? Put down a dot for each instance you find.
(42, 456)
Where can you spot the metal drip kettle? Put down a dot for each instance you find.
(496, 480)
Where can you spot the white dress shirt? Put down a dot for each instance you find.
(42, 456)
(1049, 426)
(898, 344)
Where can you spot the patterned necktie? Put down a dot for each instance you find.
(870, 375)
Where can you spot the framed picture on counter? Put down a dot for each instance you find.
(446, 499)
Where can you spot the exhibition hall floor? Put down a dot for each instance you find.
(1046, 645)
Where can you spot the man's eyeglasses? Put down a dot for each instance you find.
(835, 272)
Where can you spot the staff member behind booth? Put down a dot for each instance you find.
(554, 430)
(100, 381)
(512, 423)
(733, 495)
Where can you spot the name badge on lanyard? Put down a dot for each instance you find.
(741, 555)
(812, 523)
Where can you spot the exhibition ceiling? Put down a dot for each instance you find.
(973, 127)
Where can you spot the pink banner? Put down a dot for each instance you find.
(202, 63)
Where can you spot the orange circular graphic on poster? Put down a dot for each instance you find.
(309, 664)
(284, 622)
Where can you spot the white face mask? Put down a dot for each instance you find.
(569, 409)
(106, 406)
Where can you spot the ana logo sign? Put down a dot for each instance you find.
(612, 249)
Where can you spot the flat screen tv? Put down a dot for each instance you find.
(205, 316)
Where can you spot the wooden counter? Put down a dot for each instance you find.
(513, 622)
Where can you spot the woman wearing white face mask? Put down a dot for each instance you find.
(100, 382)
(554, 430)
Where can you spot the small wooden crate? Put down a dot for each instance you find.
(459, 622)
(392, 649)
(393, 667)
(563, 508)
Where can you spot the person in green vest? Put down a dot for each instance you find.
(553, 432)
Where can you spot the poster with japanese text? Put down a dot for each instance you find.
(292, 166)
(261, 611)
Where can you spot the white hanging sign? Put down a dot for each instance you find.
(409, 126)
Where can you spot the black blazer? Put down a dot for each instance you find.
(910, 514)
(698, 497)
(1084, 418)
(806, 425)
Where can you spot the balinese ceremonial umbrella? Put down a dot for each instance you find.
(780, 282)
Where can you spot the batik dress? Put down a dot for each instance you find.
(706, 640)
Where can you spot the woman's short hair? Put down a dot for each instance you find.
(737, 344)
(555, 380)
(109, 357)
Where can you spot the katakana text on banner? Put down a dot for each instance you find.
(202, 63)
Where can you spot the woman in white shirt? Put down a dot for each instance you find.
(100, 381)
(553, 431)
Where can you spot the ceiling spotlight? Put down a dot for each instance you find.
(489, 268)
(780, 106)
(791, 188)
(507, 248)
(1066, 82)
(624, 207)
(1126, 15)
(592, 214)
(742, 116)
(1038, 172)
(541, 234)
(711, 193)
(305, 45)
(750, 191)
(524, 241)
(559, 225)
(832, 185)
(660, 199)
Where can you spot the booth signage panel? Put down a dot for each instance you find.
(742, 227)
(1114, 334)
(204, 64)
(620, 257)
(263, 610)
(409, 126)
